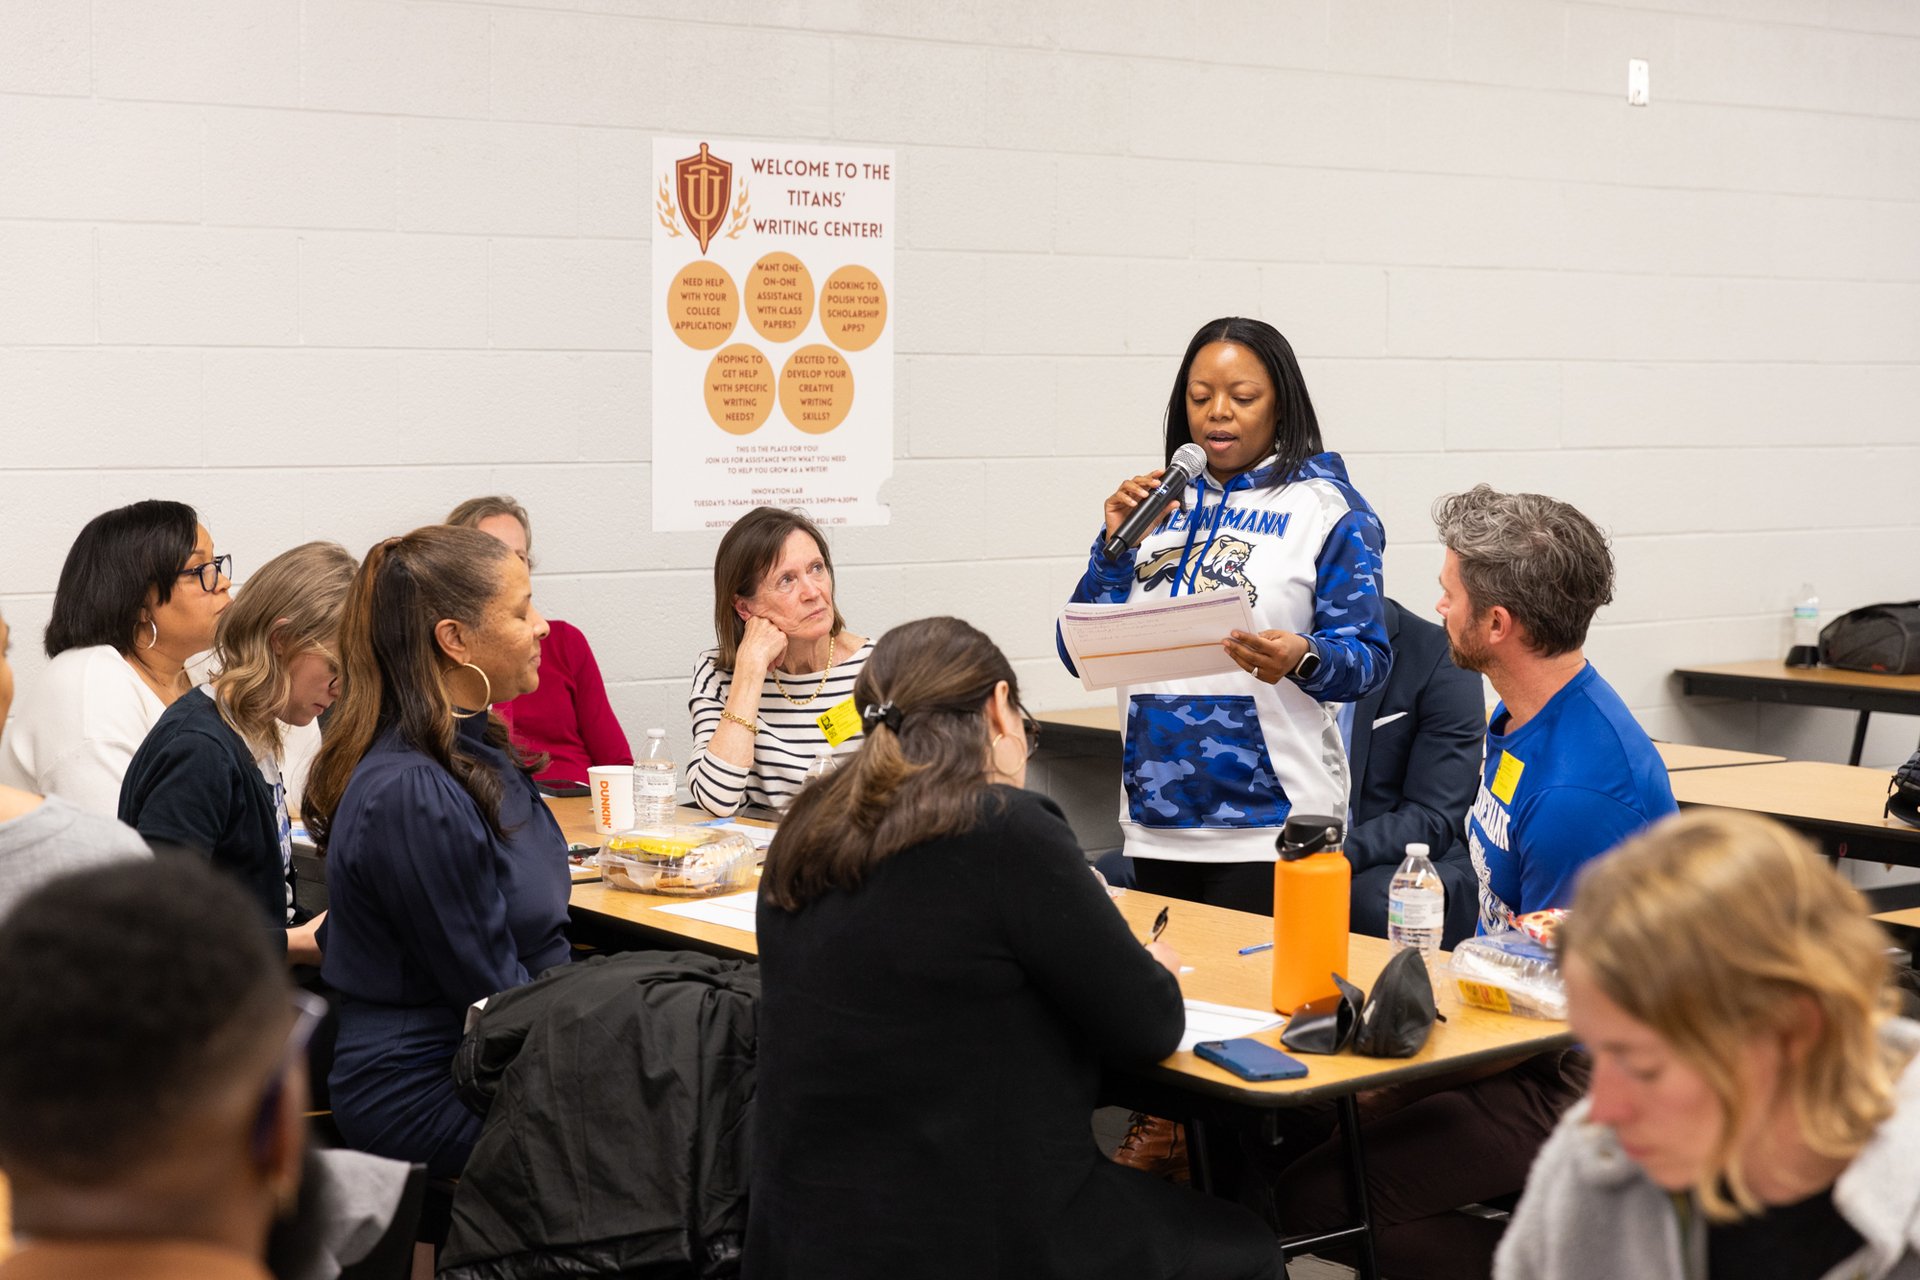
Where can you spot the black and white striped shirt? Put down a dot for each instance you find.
(787, 743)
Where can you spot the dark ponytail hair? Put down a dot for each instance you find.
(1296, 428)
(392, 670)
(920, 773)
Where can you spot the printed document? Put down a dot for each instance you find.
(1148, 641)
(1223, 1022)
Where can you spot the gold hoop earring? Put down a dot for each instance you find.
(154, 627)
(486, 699)
(993, 755)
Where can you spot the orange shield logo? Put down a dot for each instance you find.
(706, 188)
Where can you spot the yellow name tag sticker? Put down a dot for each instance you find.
(839, 722)
(1484, 996)
(1506, 778)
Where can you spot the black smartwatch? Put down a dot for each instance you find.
(1308, 667)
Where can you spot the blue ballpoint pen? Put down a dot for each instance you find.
(1258, 946)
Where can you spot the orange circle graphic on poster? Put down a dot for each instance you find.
(816, 389)
(779, 297)
(703, 305)
(739, 389)
(853, 308)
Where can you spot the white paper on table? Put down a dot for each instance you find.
(734, 910)
(1206, 1021)
(1148, 641)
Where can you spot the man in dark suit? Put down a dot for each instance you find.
(1415, 748)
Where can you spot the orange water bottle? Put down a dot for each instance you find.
(1310, 905)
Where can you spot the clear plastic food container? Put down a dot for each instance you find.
(1510, 972)
(681, 861)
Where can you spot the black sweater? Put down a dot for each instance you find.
(194, 787)
(930, 1050)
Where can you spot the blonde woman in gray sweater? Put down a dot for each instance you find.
(1755, 1107)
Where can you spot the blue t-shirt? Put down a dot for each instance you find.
(1567, 786)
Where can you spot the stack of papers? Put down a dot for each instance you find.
(734, 910)
(1207, 1021)
(1154, 640)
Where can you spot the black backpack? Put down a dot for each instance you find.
(1884, 638)
(1903, 792)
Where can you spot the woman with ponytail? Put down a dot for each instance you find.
(942, 980)
(447, 876)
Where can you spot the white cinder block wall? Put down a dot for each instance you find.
(324, 267)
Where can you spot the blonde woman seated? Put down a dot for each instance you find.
(784, 659)
(942, 982)
(1755, 1110)
(210, 779)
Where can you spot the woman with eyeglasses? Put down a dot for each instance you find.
(138, 597)
(208, 780)
(776, 692)
(446, 873)
(942, 982)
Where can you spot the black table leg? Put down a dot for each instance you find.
(1360, 1233)
(1367, 1268)
(1859, 737)
(1199, 1163)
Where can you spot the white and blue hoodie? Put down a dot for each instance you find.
(1213, 764)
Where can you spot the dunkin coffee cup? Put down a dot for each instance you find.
(610, 788)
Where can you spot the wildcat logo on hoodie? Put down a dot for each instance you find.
(1223, 566)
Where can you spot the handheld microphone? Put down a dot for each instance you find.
(1187, 462)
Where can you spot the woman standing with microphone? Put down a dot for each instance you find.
(1214, 764)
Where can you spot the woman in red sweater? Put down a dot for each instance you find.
(568, 716)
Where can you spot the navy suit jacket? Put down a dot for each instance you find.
(1415, 765)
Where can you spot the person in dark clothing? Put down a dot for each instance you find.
(207, 780)
(150, 1077)
(1415, 745)
(941, 981)
(447, 874)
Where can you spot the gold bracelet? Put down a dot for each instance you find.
(742, 721)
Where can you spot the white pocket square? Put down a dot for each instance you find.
(1388, 719)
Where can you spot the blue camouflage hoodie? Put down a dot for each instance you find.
(1213, 764)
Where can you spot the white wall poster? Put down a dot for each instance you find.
(773, 331)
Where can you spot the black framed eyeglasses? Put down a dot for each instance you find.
(210, 573)
(309, 1011)
(1030, 727)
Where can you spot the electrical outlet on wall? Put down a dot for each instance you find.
(1636, 82)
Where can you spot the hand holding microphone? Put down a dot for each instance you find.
(1134, 510)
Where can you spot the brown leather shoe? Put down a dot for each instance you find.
(1156, 1146)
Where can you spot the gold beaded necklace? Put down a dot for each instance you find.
(833, 643)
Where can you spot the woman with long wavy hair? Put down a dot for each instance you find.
(942, 979)
(209, 778)
(1755, 1105)
(446, 874)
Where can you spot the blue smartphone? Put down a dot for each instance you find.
(1251, 1060)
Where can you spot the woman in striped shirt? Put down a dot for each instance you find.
(777, 692)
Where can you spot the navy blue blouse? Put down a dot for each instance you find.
(430, 911)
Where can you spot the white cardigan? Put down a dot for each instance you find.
(74, 732)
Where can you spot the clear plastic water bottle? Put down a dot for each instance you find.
(654, 782)
(1416, 903)
(823, 764)
(1806, 628)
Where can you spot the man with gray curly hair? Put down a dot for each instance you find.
(1568, 773)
